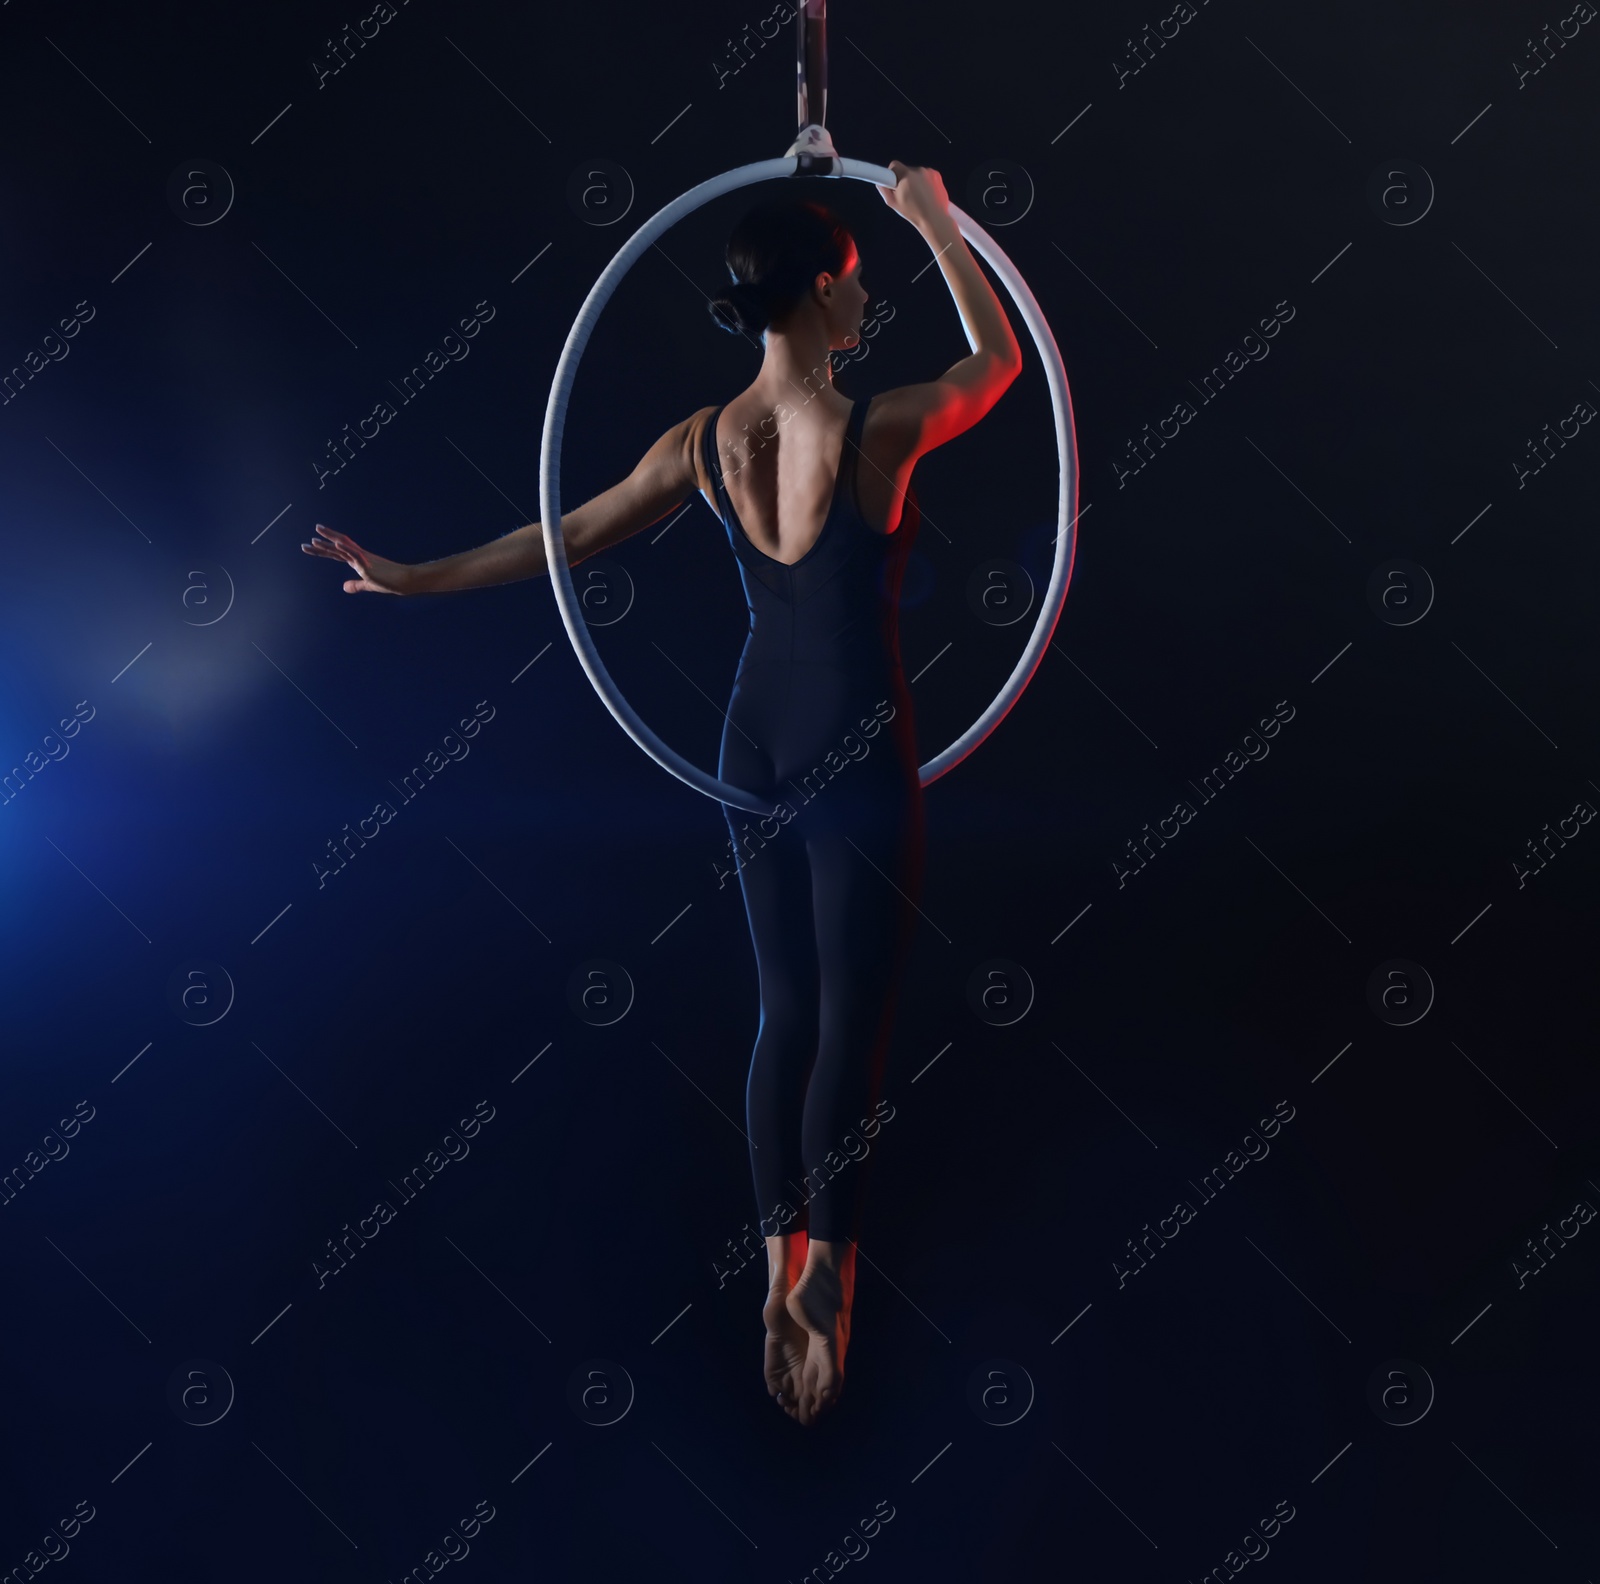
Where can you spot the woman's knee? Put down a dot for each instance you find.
(790, 1017)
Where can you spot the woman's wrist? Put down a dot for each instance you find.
(416, 577)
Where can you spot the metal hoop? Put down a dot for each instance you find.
(550, 474)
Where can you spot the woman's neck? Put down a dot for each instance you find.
(797, 365)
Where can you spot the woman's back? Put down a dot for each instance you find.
(836, 602)
(780, 467)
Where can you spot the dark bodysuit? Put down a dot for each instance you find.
(820, 722)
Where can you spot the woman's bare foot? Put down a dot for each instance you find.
(820, 1302)
(786, 1337)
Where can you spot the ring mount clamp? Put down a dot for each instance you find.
(814, 153)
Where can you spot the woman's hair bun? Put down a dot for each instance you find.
(739, 310)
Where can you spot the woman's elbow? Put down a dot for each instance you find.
(1005, 366)
(1006, 355)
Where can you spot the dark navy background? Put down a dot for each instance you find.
(444, 168)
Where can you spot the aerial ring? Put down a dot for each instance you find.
(550, 476)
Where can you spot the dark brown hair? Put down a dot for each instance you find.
(774, 253)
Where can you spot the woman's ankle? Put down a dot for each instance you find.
(836, 1256)
(787, 1255)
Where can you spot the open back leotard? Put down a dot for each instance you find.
(820, 722)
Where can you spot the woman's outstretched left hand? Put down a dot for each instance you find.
(374, 574)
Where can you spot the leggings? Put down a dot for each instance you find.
(831, 897)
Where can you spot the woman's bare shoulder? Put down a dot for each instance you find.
(914, 419)
(687, 441)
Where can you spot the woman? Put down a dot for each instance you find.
(814, 494)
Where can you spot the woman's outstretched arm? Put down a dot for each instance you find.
(666, 473)
(946, 407)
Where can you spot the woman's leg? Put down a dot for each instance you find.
(866, 881)
(776, 882)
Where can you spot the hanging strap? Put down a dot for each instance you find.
(708, 445)
(816, 155)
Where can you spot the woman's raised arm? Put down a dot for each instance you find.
(933, 413)
(666, 473)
